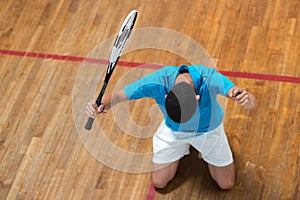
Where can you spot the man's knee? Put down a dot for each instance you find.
(159, 183)
(163, 174)
(226, 184)
(224, 176)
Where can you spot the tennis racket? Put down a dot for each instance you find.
(116, 52)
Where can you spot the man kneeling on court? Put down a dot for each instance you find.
(186, 96)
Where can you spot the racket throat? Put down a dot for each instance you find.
(99, 99)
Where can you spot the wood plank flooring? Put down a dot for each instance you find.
(45, 84)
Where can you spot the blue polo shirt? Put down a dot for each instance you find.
(208, 83)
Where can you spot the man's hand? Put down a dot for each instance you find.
(93, 110)
(108, 101)
(243, 97)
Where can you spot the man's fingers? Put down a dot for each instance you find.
(94, 105)
(101, 109)
(89, 109)
(244, 103)
(237, 92)
(241, 95)
(242, 98)
(92, 109)
(90, 113)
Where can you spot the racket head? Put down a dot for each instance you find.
(123, 36)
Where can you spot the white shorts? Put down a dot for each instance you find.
(170, 146)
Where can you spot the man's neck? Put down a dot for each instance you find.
(185, 77)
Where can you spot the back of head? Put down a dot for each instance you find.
(181, 102)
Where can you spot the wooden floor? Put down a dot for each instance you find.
(46, 154)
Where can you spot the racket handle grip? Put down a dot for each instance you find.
(89, 123)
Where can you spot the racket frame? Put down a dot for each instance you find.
(116, 52)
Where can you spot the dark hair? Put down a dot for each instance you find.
(181, 102)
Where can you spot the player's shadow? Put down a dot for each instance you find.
(192, 172)
(194, 179)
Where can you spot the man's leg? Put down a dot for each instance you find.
(163, 173)
(167, 152)
(215, 150)
(224, 176)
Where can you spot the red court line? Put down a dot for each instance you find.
(267, 77)
(151, 192)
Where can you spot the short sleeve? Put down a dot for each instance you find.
(219, 84)
(147, 87)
